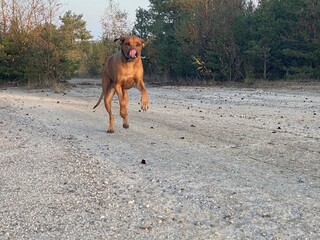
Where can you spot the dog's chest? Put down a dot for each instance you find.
(128, 82)
(128, 77)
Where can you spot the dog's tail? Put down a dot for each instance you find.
(99, 101)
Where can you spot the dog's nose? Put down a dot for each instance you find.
(133, 53)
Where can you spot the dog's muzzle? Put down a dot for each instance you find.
(133, 53)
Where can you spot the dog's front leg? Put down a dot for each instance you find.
(144, 95)
(122, 101)
(126, 99)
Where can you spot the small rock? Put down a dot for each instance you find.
(145, 227)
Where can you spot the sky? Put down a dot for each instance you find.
(92, 11)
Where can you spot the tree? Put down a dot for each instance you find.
(143, 23)
(114, 22)
(185, 33)
(73, 28)
(25, 15)
(285, 38)
(74, 42)
(19, 20)
(33, 49)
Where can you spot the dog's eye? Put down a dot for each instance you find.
(128, 44)
(138, 44)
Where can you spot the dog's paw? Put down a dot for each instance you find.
(125, 125)
(144, 106)
(110, 131)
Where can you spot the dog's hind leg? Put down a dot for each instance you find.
(107, 102)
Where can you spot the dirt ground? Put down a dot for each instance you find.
(201, 163)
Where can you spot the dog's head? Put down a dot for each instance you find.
(131, 47)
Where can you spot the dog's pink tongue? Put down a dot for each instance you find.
(133, 53)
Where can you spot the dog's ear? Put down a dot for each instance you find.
(121, 39)
(144, 43)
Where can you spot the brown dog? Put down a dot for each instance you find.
(121, 71)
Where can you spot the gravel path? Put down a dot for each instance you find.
(220, 163)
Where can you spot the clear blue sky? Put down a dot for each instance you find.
(92, 11)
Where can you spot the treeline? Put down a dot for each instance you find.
(32, 48)
(39, 46)
(189, 40)
(231, 40)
